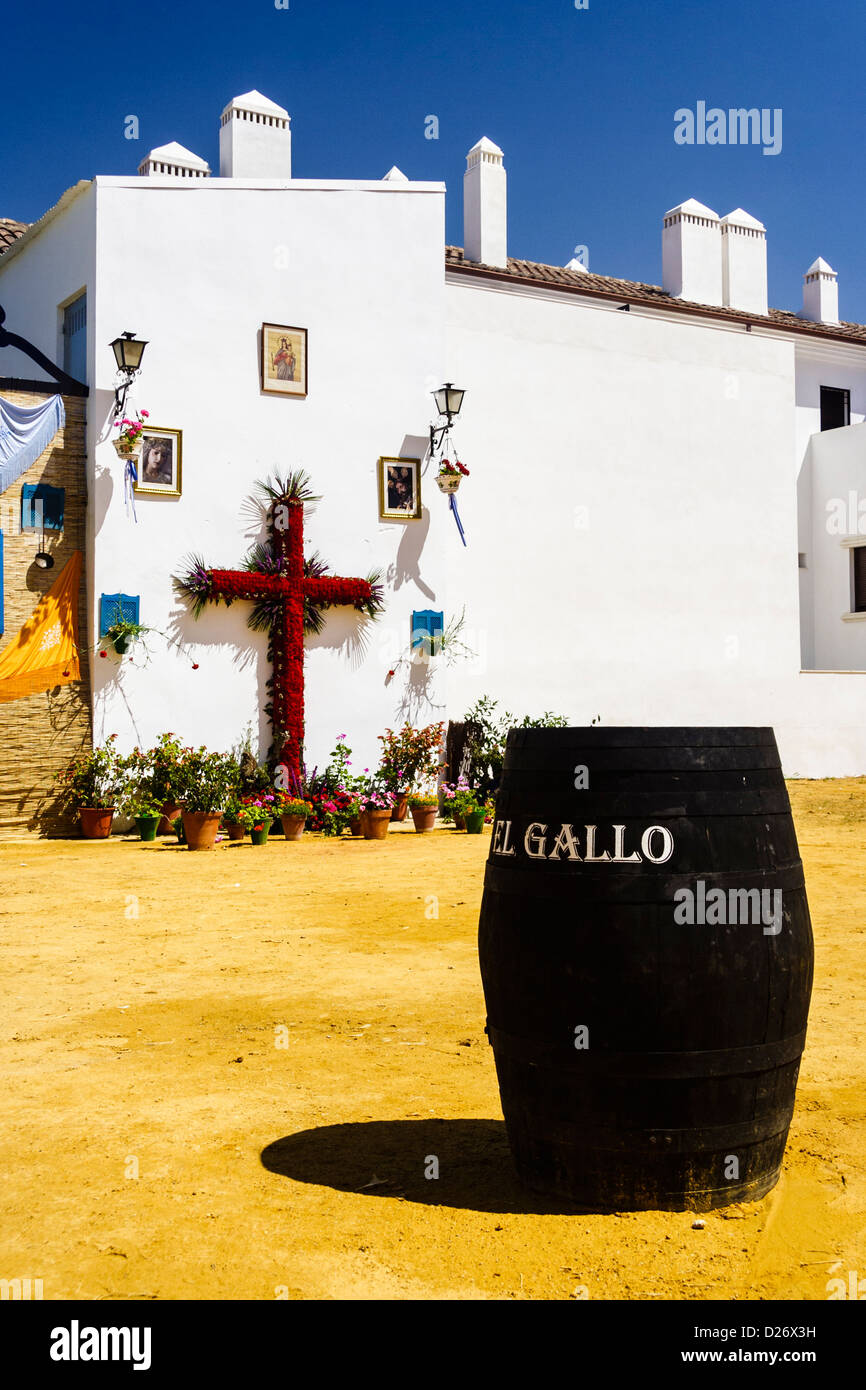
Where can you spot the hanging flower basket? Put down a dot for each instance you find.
(127, 448)
(448, 482)
(450, 475)
(128, 442)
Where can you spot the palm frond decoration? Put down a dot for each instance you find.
(294, 487)
(374, 605)
(195, 583)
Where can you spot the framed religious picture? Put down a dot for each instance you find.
(159, 468)
(284, 360)
(399, 489)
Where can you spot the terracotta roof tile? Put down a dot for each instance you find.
(10, 231)
(634, 292)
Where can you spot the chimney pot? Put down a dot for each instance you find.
(485, 223)
(692, 253)
(744, 262)
(255, 139)
(820, 293)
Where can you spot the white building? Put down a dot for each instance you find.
(647, 463)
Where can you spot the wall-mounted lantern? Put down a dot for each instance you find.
(449, 399)
(128, 352)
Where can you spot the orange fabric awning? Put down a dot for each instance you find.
(44, 652)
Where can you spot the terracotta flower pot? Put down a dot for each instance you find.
(374, 824)
(170, 813)
(96, 821)
(293, 826)
(200, 828)
(424, 818)
(400, 809)
(146, 827)
(235, 831)
(459, 822)
(260, 836)
(355, 825)
(474, 822)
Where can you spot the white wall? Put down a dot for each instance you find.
(631, 511)
(673, 599)
(361, 268)
(836, 465)
(196, 270)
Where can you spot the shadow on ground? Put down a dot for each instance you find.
(388, 1158)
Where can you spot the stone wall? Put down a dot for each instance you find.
(39, 733)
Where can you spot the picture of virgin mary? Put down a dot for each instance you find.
(284, 359)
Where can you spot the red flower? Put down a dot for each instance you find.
(195, 665)
(103, 653)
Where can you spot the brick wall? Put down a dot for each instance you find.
(39, 733)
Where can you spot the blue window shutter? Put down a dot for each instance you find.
(427, 626)
(117, 608)
(75, 338)
(2, 594)
(42, 507)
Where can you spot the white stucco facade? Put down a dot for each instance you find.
(641, 483)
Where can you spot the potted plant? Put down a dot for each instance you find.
(232, 820)
(333, 795)
(128, 443)
(376, 804)
(165, 759)
(409, 756)
(452, 800)
(257, 821)
(450, 475)
(91, 781)
(424, 807)
(293, 816)
(475, 809)
(121, 633)
(177, 827)
(145, 810)
(205, 783)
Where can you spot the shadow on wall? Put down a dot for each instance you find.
(388, 1158)
(407, 566)
(345, 631)
(53, 816)
(416, 699)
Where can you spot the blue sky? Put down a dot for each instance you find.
(581, 101)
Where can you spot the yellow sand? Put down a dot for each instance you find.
(278, 1040)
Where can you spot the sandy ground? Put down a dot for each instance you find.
(225, 1075)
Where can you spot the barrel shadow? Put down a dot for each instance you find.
(388, 1158)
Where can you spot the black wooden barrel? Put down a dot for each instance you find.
(645, 1060)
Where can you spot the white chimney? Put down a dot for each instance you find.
(175, 161)
(485, 238)
(255, 139)
(820, 293)
(744, 262)
(692, 253)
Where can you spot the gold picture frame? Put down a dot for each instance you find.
(284, 363)
(399, 489)
(160, 467)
